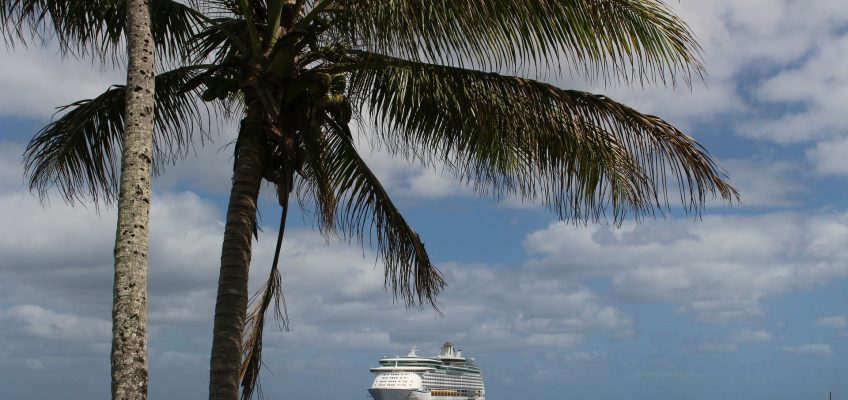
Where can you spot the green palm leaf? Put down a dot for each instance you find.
(95, 26)
(366, 212)
(78, 152)
(630, 40)
(219, 41)
(581, 154)
(318, 179)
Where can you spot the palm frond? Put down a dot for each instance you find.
(318, 176)
(367, 213)
(216, 8)
(78, 152)
(95, 26)
(627, 40)
(514, 136)
(219, 40)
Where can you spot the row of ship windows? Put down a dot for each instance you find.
(464, 388)
(470, 378)
(452, 383)
(446, 378)
(448, 392)
(451, 378)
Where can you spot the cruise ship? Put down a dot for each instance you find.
(447, 376)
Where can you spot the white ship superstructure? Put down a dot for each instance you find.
(448, 376)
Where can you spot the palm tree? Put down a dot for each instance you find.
(302, 67)
(300, 70)
(78, 25)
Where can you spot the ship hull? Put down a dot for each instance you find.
(398, 394)
(409, 394)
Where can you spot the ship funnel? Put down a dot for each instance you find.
(447, 350)
(412, 351)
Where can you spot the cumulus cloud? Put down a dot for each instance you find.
(38, 77)
(774, 74)
(329, 292)
(208, 167)
(752, 336)
(553, 340)
(720, 268)
(11, 174)
(584, 356)
(816, 349)
(329, 286)
(765, 182)
(47, 324)
(40, 339)
(818, 89)
(717, 347)
(829, 157)
(836, 321)
(759, 40)
(407, 178)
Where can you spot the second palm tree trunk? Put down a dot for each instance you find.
(231, 304)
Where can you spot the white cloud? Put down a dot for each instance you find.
(50, 325)
(332, 287)
(584, 356)
(717, 347)
(38, 78)
(741, 39)
(829, 157)
(408, 178)
(818, 88)
(577, 308)
(553, 340)
(816, 349)
(836, 321)
(752, 336)
(765, 182)
(329, 285)
(209, 167)
(176, 359)
(720, 268)
(774, 71)
(11, 170)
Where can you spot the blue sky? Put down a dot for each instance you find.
(745, 302)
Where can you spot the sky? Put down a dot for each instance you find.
(749, 301)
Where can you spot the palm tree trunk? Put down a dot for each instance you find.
(231, 304)
(129, 302)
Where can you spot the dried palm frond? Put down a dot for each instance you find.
(271, 292)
